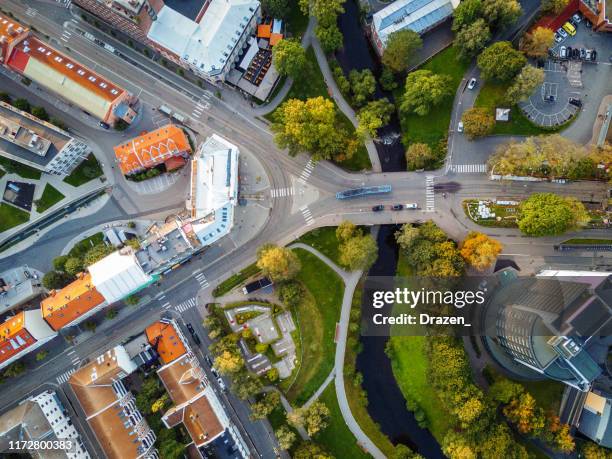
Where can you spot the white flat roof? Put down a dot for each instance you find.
(206, 45)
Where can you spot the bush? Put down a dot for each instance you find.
(132, 300)
(111, 313)
(22, 104)
(40, 112)
(120, 125)
(54, 280)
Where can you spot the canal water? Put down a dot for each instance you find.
(386, 403)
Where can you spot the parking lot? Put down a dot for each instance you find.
(569, 81)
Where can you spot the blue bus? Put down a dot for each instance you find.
(365, 191)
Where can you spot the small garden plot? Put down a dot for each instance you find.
(503, 214)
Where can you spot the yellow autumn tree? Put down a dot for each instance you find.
(479, 250)
(278, 263)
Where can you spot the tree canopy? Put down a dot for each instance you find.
(472, 38)
(276, 8)
(477, 122)
(537, 43)
(289, 58)
(419, 156)
(424, 89)
(400, 49)
(278, 263)
(480, 251)
(373, 116)
(524, 84)
(466, 13)
(501, 13)
(547, 214)
(501, 62)
(363, 86)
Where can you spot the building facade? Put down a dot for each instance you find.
(598, 12)
(37, 143)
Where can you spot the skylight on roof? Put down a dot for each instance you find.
(92, 78)
(81, 72)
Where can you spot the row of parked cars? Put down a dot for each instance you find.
(409, 206)
(568, 29)
(577, 53)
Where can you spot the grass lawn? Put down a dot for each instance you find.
(49, 197)
(492, 95)
(235, 280)
(317, 315)
(20, 169)
(312, 84)
(324, 240)
(337, 438)
(432, 129)
(508, 214)
(588, 241)
(2, 173)
(11, 216)
(85, 172)
(80, 248)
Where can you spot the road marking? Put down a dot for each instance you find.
(307, 215)
(75, 360)
(468, 168)
(166, 305)
(160, 296)
(282, 192)
(65, 35)
(31, 11)
(308, 168)
(71, 352)
(185, 305)
(201, 280)
(430, 205)
(64, 377)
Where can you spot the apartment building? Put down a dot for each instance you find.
(599, 12)
(21, 334)
(17, 286)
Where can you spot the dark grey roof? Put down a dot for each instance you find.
(598, 427)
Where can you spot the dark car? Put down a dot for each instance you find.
(208, 361)
(196, 339)
(190, 328)
(378, 208)
(575, 53)
(594, 55)
(569, 52)
(451, 187)
(582, 53)
(104, 125)
(575, 102)
(397, 207)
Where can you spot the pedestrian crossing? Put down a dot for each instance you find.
(166, 305)
(469, 168)
(307, 215)
(201, 280)
(65, 35)
(65, 3)
(308, 168)
(31, 11)
(430, 205)
(199, 108)
(64, 377)
(282, 192)
(185, 305)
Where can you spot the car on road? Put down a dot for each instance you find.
(558, 38)
(577, 18)
(569, 28)
(378, 208)
(563, 52)
(582, 53)
(104, 125)
(588, 54)
(472, 83)
(412, 206)
(562, 32)
(397, 207)
(196, 339)
(221, 384)
(594, 55)
(190, 328)
(214, 372)
(460, 126)
(575, 53)
(569, 52)
(208, 360)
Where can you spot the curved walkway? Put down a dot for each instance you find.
(350, 279)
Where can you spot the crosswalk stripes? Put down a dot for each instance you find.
(307, 215)
(190, 303)
(199, 108)
(308, 168)
(65, 35)
(31, 11)
(469, 168)
(166, 305)
(201, 280)
(64, 377)
(282, 192)
(430, 205)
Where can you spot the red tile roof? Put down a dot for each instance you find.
(165, 339)
(14, 337)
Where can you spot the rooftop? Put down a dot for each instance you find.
(10, 29)
(165, 339)
(151, 149)
(16, 288)
(14, 337)
(64, 306)
(208, 44)
(63, 75)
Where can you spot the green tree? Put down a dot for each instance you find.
(424, 90)
(387, 79)
(229, 362)
(22, 104)
(407, 236)
(278, 263)
(245, 385)
(403, 452)
(501, 13)
(265, 406)
(554, 6)
(400, 49)
(91, 326)
(466, 13)
(55, 280)
(524, 84)
(373, 116)
(276, 8)
(419, 156)
(537, 43)
(5, 97)
(503, 390)
(592, 451)
(171, 449)
(96, 253)
(73, 266)
(132, 300)
(286, 437)
(363, 85)
(59, 262)
(547, 214)
(472, 39)
(14, 369)
(314, 419)
(59, 123)
(40, 112)
(290, 293)
(326, 11)
(289, 58)
(312, 126)
(477, 122)
(501, 62)
(330, 37)
(341, 80)
(310, 450)
(42, 355)
(358, 253)
(122, 125)
(346, 230)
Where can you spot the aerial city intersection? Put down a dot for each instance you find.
(309, 229)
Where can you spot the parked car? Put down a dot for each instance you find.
(569, 28)
(563, 52)
(594, 55)
(577, 18)
(104, 125)
(214, 372)
(588, 54)
(221, 384)
(472, 83)
(196, 339)
(397, 207)
(412, 206)
(582, 53)
(190, 328)
(575, 102)
(460, 126)
(558, 38)
(575, 53)
(378, 208)
(569, 52)
(562, 32)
